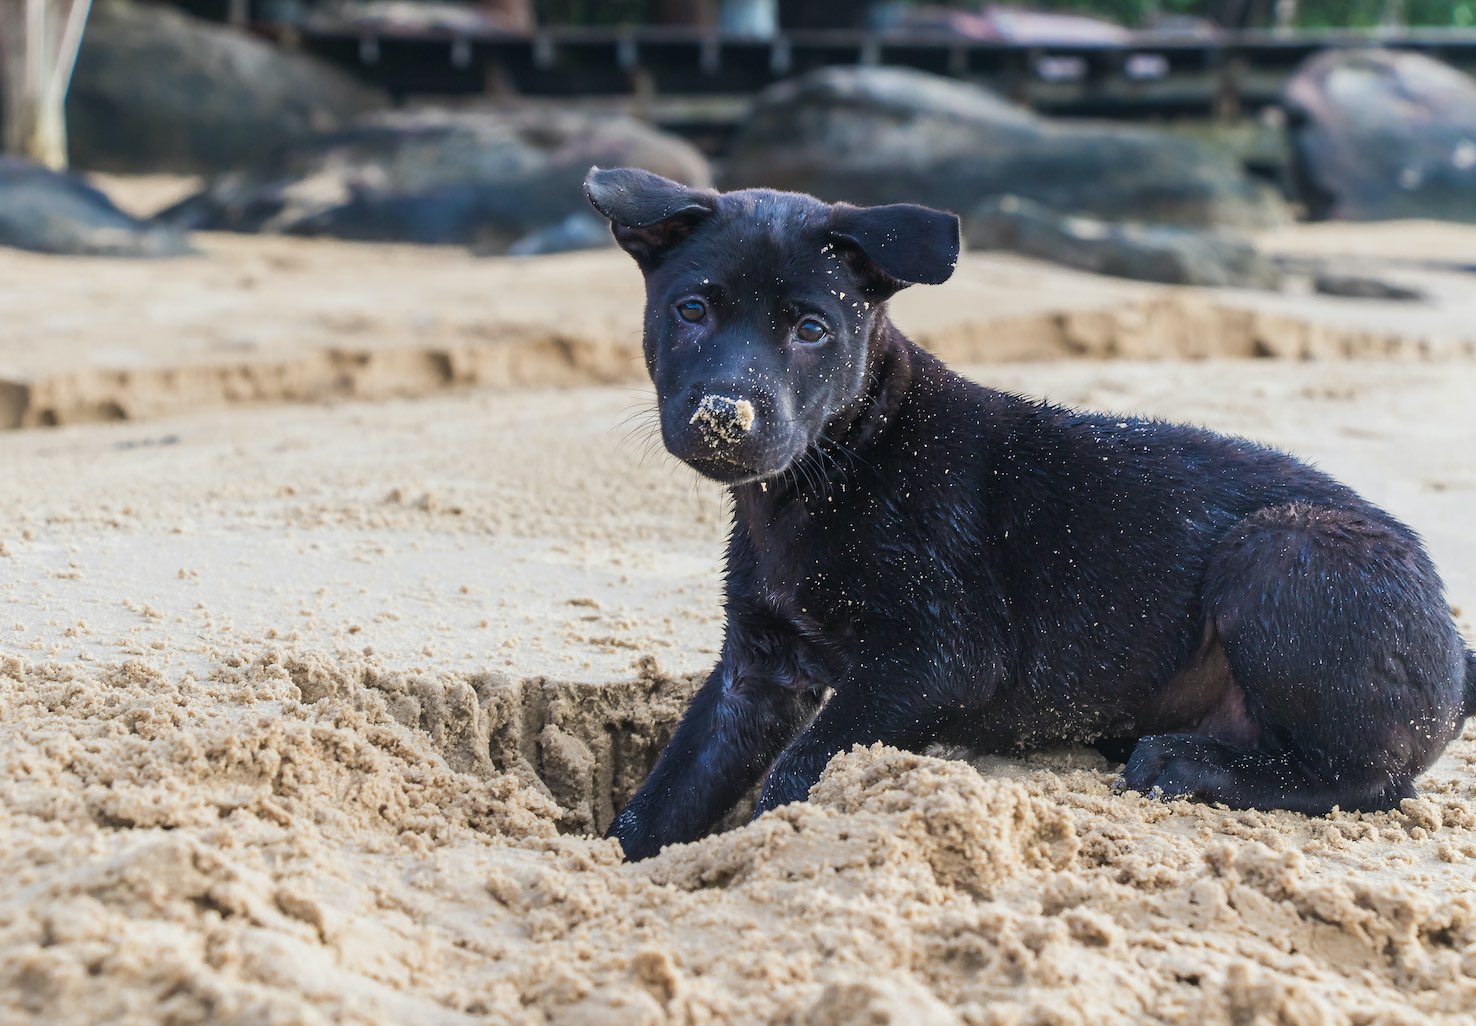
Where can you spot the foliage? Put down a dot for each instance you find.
(1359, 13)
(1310, 13)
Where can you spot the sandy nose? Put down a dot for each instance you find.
(723, 420)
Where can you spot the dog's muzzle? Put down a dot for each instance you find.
(723, 421)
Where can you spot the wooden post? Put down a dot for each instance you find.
(1286, 16)
(38, 49)
(1228, 88)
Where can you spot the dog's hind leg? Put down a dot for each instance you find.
(1348, 671)
(1196, 766)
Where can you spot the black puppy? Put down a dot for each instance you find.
(954, 564)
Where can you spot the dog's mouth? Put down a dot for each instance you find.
(725, 471)
(740, 467)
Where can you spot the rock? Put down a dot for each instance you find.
(1382, 134)
(479, 178)
(48, 212)
(1162, 253)
(577, 231)
(1359, 286)
(156, 90)
(885, 135)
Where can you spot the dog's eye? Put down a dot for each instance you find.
(692, 310)
(810, 331)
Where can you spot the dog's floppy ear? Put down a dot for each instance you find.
(648, 214)
(907, 243)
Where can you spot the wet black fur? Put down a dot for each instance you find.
(917, 559)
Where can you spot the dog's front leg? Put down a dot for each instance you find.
(730, 733)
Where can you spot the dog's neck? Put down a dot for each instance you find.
(889, 372)
(847, 436)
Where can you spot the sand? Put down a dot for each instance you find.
(253, 319)
(312, 702)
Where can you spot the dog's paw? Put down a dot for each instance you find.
(1163, 767)
(637, 838)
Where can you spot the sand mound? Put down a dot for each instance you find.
(276, 844)
(214, 848)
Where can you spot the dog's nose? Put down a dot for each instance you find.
(722, 419)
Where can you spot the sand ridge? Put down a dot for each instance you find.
(258, 319)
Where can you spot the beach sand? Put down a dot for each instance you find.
(345, 591)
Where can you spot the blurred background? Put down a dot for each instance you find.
(1224, 145)
(471, 124)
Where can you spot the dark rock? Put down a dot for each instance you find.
(156, 90)
(885, 135)
(577, 231)
(1161, 253)
(48, 212)
(1359, 286)
(477, 178)
(1382, 134)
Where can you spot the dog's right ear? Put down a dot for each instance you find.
(904, 244)
(648, 214)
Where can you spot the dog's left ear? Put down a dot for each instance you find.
(648, 214)
(907, 243)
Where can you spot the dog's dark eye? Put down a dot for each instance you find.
(810, 331)
(692, 310)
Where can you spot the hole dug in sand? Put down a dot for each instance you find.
(586, 747)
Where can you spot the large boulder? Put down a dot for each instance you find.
(1382, 134)
(488, 179)
(884, 135)
(156, 90)
(1170, 254)
(47, 212)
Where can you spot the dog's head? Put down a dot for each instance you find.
(761, 308)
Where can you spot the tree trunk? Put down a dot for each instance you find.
(38, 49)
